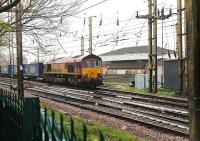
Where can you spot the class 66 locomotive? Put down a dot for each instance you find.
(82, 71)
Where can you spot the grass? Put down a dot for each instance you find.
(127, 87)
(111, 134)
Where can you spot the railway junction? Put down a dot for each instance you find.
(73, 88)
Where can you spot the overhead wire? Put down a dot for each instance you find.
(94, 5)
(115, 34)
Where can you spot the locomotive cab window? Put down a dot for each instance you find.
(48, 67)
(92, 63)
(98, 63)
(70, 68)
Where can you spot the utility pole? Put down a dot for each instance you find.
(19, 51)
(180, 44)
(154, 55)
(193, 66)
(82, 45)
(149, 17)
(90, 34)
(153, 48)
(150, 46)
(162, 54)
(185, 39)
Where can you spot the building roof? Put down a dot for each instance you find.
(136, 50)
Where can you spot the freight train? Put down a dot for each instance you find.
(83, 71)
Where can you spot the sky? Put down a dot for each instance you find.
(109, 36)
(129, 32)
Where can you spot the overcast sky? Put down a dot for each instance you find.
(109, 36)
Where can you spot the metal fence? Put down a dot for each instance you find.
(23, 120)
(11, 116)
(56, 131)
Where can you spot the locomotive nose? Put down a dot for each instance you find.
(93, 75)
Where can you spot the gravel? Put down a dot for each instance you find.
(135, 129)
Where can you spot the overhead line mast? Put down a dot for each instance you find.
(180, 45)
(90, 34)
(152, 18)
(82, 45)
(154, 50)
(193, 66)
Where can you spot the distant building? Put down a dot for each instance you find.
(133, 60)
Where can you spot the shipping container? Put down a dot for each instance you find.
(14, 69)
(33, 70)
(6, 69)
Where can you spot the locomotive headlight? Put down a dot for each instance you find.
(85, 75)
(99, 75)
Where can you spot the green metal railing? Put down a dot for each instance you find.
(23, 120)
(11, 116)
(56, 132)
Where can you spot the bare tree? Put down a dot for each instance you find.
(48, 16)
(5, 6)
(44, 20)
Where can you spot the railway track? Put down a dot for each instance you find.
(120, 105)
(145, 97)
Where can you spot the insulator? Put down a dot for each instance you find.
(61, 20)
(158, 12)
(117, 22)
(84, 20)
(162, 12)
(137, 15)
(100, 23)
(170, 11)
(175, 54)
(169, 54)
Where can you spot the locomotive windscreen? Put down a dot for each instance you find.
(91, 63)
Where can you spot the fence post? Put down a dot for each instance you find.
(85, 132)
(73, 135)
(101, 135)
(61, 127)
(46, 135)
(53, 125)
(31, 119)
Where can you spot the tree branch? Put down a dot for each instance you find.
(8, 6)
